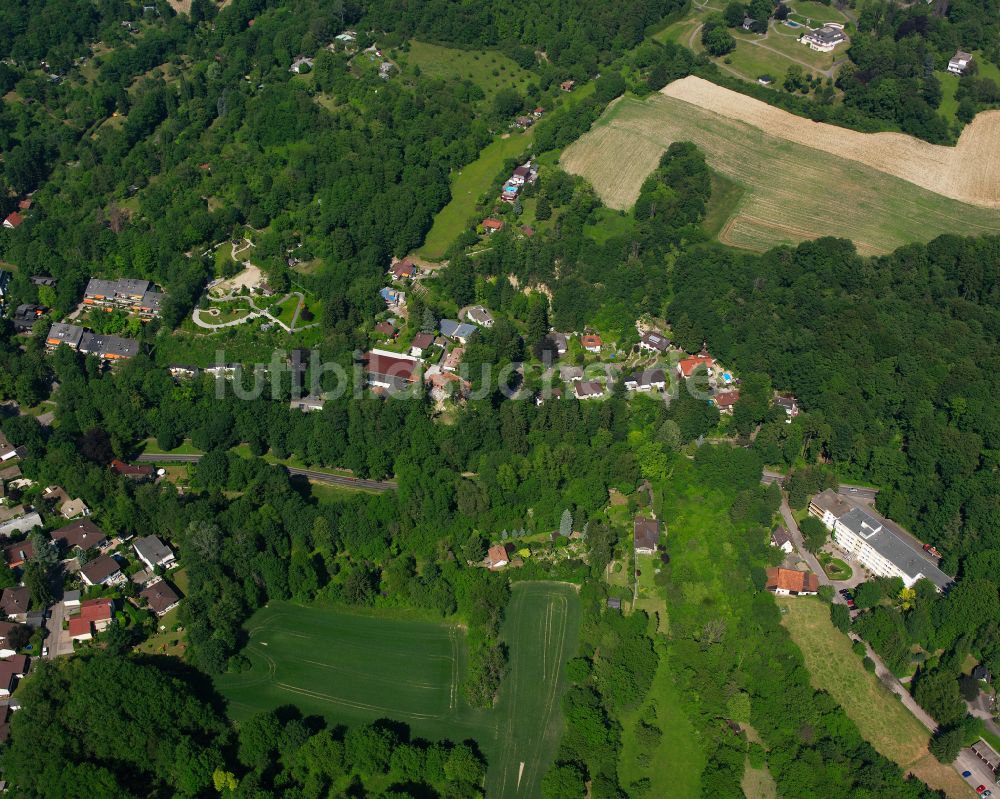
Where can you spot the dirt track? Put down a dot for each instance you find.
(969, 172)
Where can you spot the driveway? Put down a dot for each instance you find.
(800, 548)
(981, 775)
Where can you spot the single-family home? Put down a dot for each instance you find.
(307, 404)
(524, 122)
(824, 39)
(56, 495)
(10, 670)
(652, 341)
(8, 451)
(646, 380)
(558, 342)
(420, 344)
(538, 112)
(452, 360)
(15, 602)
(491, 225)
(25, 316)
(153, 552)
(102, 570)
(570, 374)
(138, 472)
(391, 370)
(959, 62)
(591, 342)
(478, 315)
(18, 553)
(588, 389)
(43, 280)
(181, 372)
(392, 297)
(497, 556)
(80, 629)
(567, 85)
(300, 65)
(646, 532)
(12, 637)
(160, 597)
(509, 192)
(789, 405)
(83, 534)
(404, 269)
(748, 23)
(980, 672)
(385, 329)
(18, 520)
(13, 220)
(782, 540)
(687, 366)
(791, 582)
(725, 400)
(73, 508)
(223, 371)
(460, 331)
(614, 603)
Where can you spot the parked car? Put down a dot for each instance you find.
(966, 774)
(980, 789)
(45, 651)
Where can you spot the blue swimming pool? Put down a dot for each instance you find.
(792, 23)
(727, 377)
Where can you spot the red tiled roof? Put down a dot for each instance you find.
(96, 610)
(689, 364)
(14, 219)
(79, 626)
(400, 368)
(130, 469)
(726, 399)
(791, 580)
(493, 224)
(590, 340)
(498, 554)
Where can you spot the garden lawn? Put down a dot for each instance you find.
(354, 668)
(489, 70)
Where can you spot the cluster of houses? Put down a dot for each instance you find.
(15, 219)
(825, 38)
(525, 174)
(881, 546)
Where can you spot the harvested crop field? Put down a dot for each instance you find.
(969, 172)
(794, 191)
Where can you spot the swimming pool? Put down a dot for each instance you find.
(727, 377)
(791, 23)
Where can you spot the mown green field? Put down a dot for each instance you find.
(792, 193)
(467, 186)
(353, 668)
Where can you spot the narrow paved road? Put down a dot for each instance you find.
(311, 474)
(800, 547)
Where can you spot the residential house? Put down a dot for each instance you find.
(80, 629)
(56, 495)
(789, 405)
(478, 315)
(300, 65)
(403, 270)
(725, 400)
(653, 341)
(591, 342)
(307, 404)
(570, 374)
(15, 602)
(509, 193)
(558, 342)
(567, 85)
(83, 534)
(43, 280)
(107, 348)
(160, 597)
(137, 472)
(181, 372)
(959, 62)
(824, 39)
(8, 451)
(524, 122)
(13, 220)
(491, 225)
(420, 344)
(73, 508)
(71, 599)
(460, 331)
(791, 582)
(133, 295)
(391, 370)
(18, 553)
(647, 380)
(153, 552)
(223, 371)
(980, 672)
(12, 637)
(497, 556)
(22, 521)
(614, 603)
(10, 670)
(687, 366)
(588, 389)
(452, 360)
(102, 570)
(646, 532)
(392, 297)
(748, 23)
(537, 113)
(881, 546)
(26, 315)
(386, 329)
(782, 540)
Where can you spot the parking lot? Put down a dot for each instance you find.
(981, 774)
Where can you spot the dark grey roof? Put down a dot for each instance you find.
(67, 334)
(152, 549)
(452, 328)
(647, 377)
(647, 532)
(780, 537)
(892, 545)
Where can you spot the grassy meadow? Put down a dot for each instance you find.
(490, 70)
(791, 193)
(354, 668)
(880, 716)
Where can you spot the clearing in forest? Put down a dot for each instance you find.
(354, 668)
(881, 718)
(798, 184)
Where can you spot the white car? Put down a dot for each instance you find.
(45, 651)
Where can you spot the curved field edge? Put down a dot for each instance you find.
(793, 192)
(353, 668)
(881, 718)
